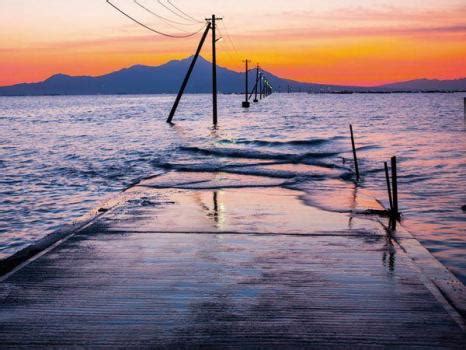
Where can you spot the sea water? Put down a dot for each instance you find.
(61, 156)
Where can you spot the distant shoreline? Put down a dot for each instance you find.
(241, 94)
(167, 78)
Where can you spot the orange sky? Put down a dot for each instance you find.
(337, 41)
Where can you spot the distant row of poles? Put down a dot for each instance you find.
(262, 87)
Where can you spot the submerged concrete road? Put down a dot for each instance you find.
(212, 262)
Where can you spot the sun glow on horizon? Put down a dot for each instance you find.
(336, 42)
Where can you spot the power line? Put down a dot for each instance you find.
(232, 43)
(229, 38)
(174, 12)
(164, 18)
(184, 13)
(226, 51)
(160, 17)
(150, 28)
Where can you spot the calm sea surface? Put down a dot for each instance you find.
(60, 156)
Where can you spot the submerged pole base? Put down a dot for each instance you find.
(246, 104)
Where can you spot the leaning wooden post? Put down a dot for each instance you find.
(356, 167)
(188, 74)
(389, 189)
(395, 188)
(261, 82)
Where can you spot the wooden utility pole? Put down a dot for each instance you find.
(261, 85)
(214, 67)
(214, 72)
(246, 103)
(356, 167)
(257, 84)
(210, 26)
(188, 74)
(395, 188)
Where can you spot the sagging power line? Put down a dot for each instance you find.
(184, 13)
(163, 18)
(166, 20)
(149, 27)
(262, 85)
(176, 12)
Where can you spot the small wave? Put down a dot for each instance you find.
(368, 147)
(269, 143)
(249, 154)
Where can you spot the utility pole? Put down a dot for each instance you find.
(261, 88)
(257, 83)
(210, 26)
(214, 71)
(246, 103)
(214, 67)
(188, 74)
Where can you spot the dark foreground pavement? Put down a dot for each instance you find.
(228, 267)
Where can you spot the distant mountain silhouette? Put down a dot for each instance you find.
(428, 85)
(167, 79)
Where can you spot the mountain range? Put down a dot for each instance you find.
(167, 79)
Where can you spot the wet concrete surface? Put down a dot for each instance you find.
(238, 267)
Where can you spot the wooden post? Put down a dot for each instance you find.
(252, 92)
(246, 103)
(261, 81)
(387, 178)
(356, 167)
(214, 71)
(188, 74)
(465, 107)
(395, 188)
(257, 84)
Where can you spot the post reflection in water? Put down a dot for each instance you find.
(389, 253)
(353, 205)
(216, 210)
(215, 214)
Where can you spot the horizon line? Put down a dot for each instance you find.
(231, 69)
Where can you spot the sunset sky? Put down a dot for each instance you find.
(358, 42)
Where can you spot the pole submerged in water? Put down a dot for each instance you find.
(356, 167)
(246, 103)
(214, 71)
(257, 84)
(389, 189)
(464, 107)
(188, 75)
(395, 188)
(261, 81)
